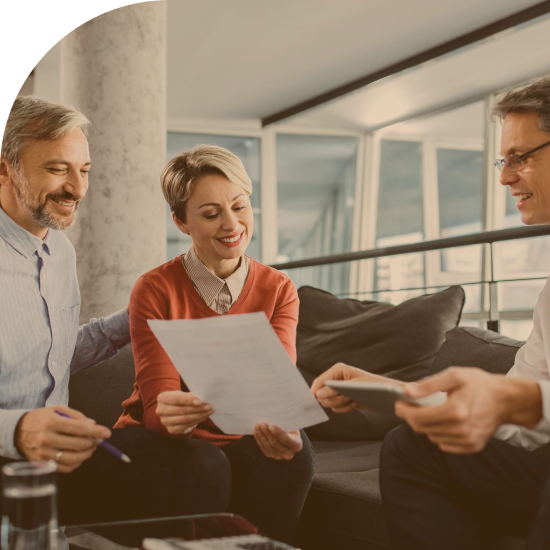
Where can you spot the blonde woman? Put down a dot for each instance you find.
(266, 475)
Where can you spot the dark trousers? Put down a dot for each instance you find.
(169, 477)
(269, 493)
(166, 477)
(436, 500)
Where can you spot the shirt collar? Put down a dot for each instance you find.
(208, 284)
(20, 239)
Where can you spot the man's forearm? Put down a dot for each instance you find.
(521, 402)
(100, 339)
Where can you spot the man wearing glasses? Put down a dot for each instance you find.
(455, 474)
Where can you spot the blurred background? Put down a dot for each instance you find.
(362, 125)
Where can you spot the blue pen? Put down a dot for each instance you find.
(101, 443)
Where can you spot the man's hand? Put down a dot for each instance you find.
(339, 403)
(41, 434)
(478, 403)
(276, 443)
(180, 411)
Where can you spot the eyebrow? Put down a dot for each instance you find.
(218, 204)
(64, 162)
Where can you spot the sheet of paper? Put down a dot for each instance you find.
(238, 365)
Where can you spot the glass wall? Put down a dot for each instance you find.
(315, 201)
(430, 186)
(248, 150)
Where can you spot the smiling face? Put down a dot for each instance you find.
(220, 221)
(530, 186)
(47, 189)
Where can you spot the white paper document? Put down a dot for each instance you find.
(238, 365)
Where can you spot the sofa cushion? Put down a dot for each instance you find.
(474, 347)
(344, 504)
(396, 341)
(100, 391)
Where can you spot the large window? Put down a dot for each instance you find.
(248, 150)
(430, 186)
(315, 196)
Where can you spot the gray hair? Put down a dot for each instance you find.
(182, 173)
(533, 98)
(36, 119)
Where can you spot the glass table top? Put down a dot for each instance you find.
(130, 534)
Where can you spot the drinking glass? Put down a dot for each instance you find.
(29, 506)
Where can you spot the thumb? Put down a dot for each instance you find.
(444, 381)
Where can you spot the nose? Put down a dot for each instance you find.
(508, 177)
(77, 184)
(230, 220)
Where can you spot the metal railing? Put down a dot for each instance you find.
(485, 238)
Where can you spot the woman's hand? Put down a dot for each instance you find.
(180, 412)
(331, 399)
(276, 443)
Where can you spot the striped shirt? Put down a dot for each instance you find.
(218, 294)
(40, 341)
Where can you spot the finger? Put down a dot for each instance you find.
(458, 449)
(71, 460)
(326, 393)
(347, 408)
(179, 410)
(448, 380)
(281, 449)
(290, 441)
(264, 442)
(178, 398)
(338, 401)
(184, 420)
(336, 372)
(181, 429)
(425, 417)
(79, 427)
(77, 415)
(75, 444)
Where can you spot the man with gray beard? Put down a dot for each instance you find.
(44, 168)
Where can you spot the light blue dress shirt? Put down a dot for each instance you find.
(41, 344)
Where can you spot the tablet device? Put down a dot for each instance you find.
(381, 396)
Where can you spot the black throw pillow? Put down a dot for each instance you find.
(396, 341)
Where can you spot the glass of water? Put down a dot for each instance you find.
(29, 506)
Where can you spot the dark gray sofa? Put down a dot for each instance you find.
(344, 509)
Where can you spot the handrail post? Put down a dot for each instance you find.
(494, 315)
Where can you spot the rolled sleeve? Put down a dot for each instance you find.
(8, 425)
(100, 340)
(117, 328)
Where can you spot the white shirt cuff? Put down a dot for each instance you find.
(8, 424)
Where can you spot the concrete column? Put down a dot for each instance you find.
(113, 69)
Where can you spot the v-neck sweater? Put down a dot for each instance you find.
(167, 292)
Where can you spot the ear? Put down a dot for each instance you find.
(6, 172)
(180, 225)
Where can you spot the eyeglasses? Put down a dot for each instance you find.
(515, 162)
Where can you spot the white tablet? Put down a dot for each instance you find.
(381, 396)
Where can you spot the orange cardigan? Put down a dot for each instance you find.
(166, 292)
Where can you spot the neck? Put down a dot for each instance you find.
(220, 268)
(14, 210)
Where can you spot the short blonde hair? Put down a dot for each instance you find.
(32, 118)
(182, 173)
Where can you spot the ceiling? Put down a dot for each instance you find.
(510, 57)
(246, 60)
(230, 64)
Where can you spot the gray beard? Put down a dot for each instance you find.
(38, 210)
